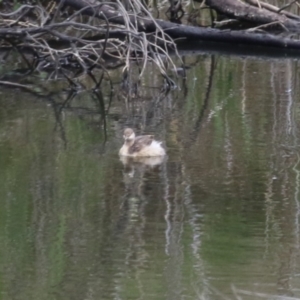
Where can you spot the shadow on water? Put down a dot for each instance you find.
(218, 218)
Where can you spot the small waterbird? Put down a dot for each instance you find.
(140, 146)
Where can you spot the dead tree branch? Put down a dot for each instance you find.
(274, 9)
(95, 32)
(248, 13)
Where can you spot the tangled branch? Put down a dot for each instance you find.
(83, 42)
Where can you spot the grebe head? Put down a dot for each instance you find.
(129, 134)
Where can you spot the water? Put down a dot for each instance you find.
(217, 219)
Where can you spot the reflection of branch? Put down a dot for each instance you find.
(297, 204)
(100, 99)
(208, 90)
(97, 83)
(58, 108)
(17, 85)
(30, 66)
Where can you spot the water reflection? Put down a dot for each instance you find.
(141, 162)
(217, 219)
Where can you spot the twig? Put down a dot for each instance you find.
(267, 25)
(17, 85)
(258, 4)
(286, 6)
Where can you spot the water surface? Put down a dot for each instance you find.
(217, 219)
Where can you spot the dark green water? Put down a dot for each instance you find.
(217, 219)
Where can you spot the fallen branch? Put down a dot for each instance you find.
(85, 51)
(177, 31)
(126, 36)
(248, 13)
(274, 9)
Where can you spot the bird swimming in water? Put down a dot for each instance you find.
(140, 146)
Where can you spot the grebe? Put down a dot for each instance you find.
(140, 146)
